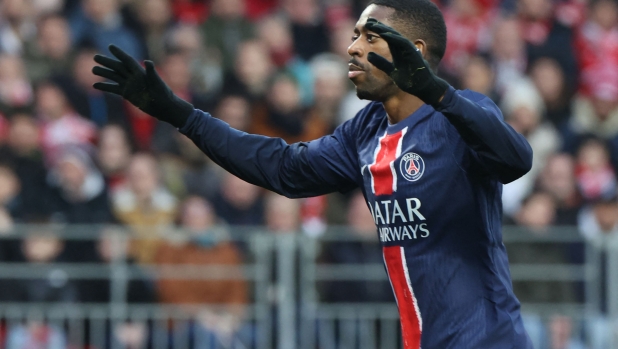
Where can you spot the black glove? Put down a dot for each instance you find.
(142, 87)
(409, 70)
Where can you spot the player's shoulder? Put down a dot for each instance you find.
(370, 115)
(475, 96)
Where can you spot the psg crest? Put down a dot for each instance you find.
(412, 166)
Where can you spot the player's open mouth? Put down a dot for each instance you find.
(354, 70)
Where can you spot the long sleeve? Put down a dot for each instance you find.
(499, 149)
(303, 169)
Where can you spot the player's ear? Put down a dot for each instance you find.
(421, 45)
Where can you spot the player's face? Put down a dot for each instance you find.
(371, 83)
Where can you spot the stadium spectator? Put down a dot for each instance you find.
(23, 154)
(597, 45)
(508, 53)
(545, 36)
(595, 115)
(536, 216)
(156, 21)
(523, 109)
(238, 202)
(35, 334)
(51, 54)
(15, 88)
(595, 176)
(200, 243)
(78, 195)
(61, 125)
(549, 79)
(282, 215)
(206, 71)
(113, 155)
(275, 32)
(598, 222)
(478, 76)
(558, 179)
(252, 71)
(100, 22)
(562, 335)
(144, 204)
(284, 116)
(17, 26)
(235, 110)
(468, 23)
(330, 86)
(309, 32)
(226, 28)
(43, 249)
(10, 200)
(113, 247)
(362, 251)
(88, 102)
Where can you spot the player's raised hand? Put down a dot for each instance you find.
(409, 70)
(142, 87)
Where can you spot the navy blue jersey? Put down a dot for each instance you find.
(433, 184)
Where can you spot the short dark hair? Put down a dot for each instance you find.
(420, 19)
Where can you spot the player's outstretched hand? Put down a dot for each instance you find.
(142, 87)
(409, 70)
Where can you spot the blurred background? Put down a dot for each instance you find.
(117, 232)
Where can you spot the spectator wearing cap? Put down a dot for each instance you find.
(78, 196)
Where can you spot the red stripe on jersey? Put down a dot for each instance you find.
(383, 174)
(409, 313)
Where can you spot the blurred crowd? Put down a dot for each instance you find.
(71, 154)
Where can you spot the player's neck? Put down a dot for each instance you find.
(400, 106)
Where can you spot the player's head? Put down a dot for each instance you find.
(420, 21)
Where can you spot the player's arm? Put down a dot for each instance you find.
(297, 170)
(503, 152)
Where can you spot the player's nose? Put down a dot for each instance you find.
(355, 49)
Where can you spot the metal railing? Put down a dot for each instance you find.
(288, 307)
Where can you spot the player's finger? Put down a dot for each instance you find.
(108, 87)
(112, 64)
(108, 74)
(380, 62)
(379, 28)
(125, 58)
